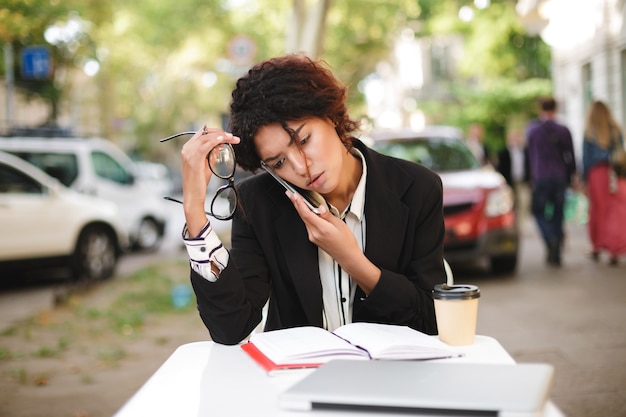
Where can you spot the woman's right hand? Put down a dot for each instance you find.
(196, 173)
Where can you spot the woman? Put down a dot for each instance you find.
(373, 253)
(607, 196)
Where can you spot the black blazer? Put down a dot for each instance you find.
(271, 256)
(505, 165)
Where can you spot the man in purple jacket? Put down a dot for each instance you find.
(552, 166)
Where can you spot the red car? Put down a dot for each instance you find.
(477, 202)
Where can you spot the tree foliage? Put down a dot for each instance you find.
(501, 73)
(23, 23)
(169, 65)
(361, 33)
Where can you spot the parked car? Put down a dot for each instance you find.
(154, 175)
(44, 224)
(97, 167)
(478, 205)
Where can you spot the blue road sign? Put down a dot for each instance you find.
(36, 62)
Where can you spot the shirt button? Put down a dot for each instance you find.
(202, 249)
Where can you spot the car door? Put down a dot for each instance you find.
(115, 183)
(31, 220)
(136, 202)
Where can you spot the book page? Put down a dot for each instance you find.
(385, 341)
(303, 344)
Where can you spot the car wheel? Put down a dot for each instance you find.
(95, 255)
(503, 264)
(149, 235)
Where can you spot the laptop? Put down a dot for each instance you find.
(424, 388)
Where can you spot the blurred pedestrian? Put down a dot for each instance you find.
(606, 191)
(512, 163)
(552, 169)
(474, 141)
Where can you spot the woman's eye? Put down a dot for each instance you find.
(305, 139)
(279, 163)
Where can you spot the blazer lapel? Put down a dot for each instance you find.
(385, 232)
(303, 265)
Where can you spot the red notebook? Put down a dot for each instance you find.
(270, 366)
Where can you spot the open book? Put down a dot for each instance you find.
(310, 347)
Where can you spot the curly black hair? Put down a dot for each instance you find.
(285, 89)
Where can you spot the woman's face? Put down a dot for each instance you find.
(311, 160)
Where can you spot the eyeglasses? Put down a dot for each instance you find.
(222, 162)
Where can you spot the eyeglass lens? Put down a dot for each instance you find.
(222, 162)
(224, 203)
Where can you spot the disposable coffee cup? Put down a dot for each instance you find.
(456, 309)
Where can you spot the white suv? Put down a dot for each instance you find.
(97, 167)
(46, 224)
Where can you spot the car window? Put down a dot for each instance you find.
(438, 154)
(13, 181)
(108, 168)
(62, 166)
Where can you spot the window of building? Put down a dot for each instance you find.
(587, 85)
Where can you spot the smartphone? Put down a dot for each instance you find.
(310, 200)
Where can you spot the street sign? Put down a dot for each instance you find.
(241, 50)
(36, 63)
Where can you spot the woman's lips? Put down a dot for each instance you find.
(315, 181)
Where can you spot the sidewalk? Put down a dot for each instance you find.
(20, 304)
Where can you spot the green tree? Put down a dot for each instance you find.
(24, 23)
(501, 72)
(168, 65)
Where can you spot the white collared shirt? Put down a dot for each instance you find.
(517, 163)
(338, 288)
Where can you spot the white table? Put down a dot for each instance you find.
(208, 379)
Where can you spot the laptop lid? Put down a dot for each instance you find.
(424, 388)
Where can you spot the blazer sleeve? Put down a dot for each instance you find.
(232, 306)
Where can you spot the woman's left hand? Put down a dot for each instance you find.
(325, 230)
(334, 237)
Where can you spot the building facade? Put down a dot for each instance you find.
(588, 42)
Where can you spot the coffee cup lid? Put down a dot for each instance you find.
(456, 292)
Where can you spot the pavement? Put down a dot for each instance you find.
(22, 303)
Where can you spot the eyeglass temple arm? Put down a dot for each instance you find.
(177, 135)
(180, 202)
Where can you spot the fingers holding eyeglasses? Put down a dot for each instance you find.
(196, 172)
(210, 137)
(203, 143)
(215, 136)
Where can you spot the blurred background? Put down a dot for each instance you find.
(133, 72)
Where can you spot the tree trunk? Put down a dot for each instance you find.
(306, 30)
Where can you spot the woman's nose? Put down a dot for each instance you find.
(300, 164)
